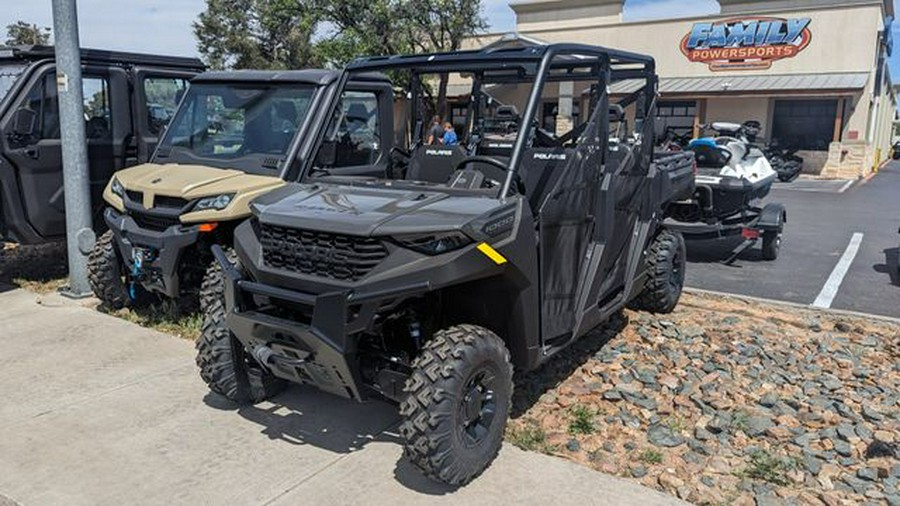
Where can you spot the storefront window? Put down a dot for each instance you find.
(804, 124)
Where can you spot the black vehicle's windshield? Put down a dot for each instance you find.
(240, 126)
(9, 73)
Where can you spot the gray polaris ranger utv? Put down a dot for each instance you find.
(428, 277)
(129, 99)
(235, 136)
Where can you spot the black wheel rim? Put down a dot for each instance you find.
(477, 407)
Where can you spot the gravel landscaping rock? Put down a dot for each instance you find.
(729, 402)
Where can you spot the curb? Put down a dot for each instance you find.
(795, 305)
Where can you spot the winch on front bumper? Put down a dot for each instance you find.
(151, 255)
(321, 348)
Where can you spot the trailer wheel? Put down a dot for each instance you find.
(226, 367)
(771, 245)
(457, 404)
(106, 273)
(666, 256)
(213, 286)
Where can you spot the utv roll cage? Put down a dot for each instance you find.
(542, 64)
(31, 53)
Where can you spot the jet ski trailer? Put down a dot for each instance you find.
(732, 177)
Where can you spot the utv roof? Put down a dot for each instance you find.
(499, 58)
(317, 77)
(30, 53)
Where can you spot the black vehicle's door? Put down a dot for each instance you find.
(360, 133)
(586, 223)
(38, 157)
(157, 93)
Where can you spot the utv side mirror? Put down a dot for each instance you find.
(24, 122)
(327, 155)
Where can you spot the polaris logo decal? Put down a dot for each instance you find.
(439, 152)
(550, 156)
(746, 43)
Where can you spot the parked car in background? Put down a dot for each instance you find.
(122, 95)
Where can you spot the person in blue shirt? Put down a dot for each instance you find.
(450, 138)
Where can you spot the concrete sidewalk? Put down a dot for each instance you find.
(96, 410)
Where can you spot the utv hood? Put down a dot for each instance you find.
(364, 211)
(191, 181)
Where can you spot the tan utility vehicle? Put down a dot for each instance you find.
(235, 136)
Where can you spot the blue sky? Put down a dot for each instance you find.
(164, 26)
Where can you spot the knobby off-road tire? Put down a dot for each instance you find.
(771, 245)
(213, 286)
(105, 273)
(224, 364)
(666, 257)
(457, 404)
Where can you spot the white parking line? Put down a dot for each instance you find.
(846, 186)
(830, 290)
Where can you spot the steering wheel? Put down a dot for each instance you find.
(481, 159)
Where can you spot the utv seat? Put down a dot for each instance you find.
(434, 164)
(541, 169)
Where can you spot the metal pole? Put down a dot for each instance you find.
(76, 184)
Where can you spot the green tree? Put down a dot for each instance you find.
(261, 34)
(380, 27)
(21, 33)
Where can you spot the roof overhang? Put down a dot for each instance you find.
(755, 84)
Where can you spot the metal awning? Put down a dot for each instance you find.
(843, 81)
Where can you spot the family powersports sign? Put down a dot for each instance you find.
(746, 43)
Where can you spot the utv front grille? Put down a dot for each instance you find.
(320, 254)
(169, 202)
(156, 223)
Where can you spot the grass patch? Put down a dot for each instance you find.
(41, 286)
(651, 456)
(582, 421)
(164, 318)
(767, 467)
(739, 421)
(676, 424)
(531, 437)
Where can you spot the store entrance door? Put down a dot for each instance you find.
(805, 124)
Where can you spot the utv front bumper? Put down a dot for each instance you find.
(319, 348)
(158, 252)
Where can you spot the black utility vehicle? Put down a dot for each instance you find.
(128, 99)
(430, 287)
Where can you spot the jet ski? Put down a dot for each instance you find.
(732, 173)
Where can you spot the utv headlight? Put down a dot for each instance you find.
(216, 203)
(435, 244)
(117, 189)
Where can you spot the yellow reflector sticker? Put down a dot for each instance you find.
(492, 253)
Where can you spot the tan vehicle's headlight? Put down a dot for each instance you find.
(216, 203)
(117, 188)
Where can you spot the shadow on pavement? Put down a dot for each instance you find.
(306, 416)
(717, 250)
(40, 268)
(891, 265)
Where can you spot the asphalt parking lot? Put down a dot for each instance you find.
(839, 250)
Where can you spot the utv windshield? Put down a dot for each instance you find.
(246, 127)
(9, 74)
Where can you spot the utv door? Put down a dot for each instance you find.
(585, 224)
(37, 157)
(360, 134)
(157, 94)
